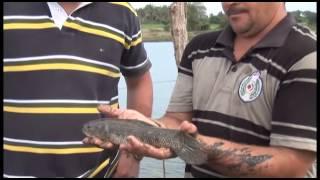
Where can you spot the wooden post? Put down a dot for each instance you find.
(179, 28)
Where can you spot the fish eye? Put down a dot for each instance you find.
(88, 127)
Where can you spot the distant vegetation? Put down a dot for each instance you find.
(306, 18)
(155, 21)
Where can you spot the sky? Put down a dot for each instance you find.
(215, 7)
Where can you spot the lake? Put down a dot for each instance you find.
(164, 74)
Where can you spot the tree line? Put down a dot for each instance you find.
(198, 20)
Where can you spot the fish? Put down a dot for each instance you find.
(185, 146)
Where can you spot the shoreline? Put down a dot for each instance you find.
(160, 32)
(165, 36)
(155, 40)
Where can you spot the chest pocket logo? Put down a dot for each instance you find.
(250, 87)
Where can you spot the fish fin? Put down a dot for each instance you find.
(133, 121)
(142, 123)
(193, 151)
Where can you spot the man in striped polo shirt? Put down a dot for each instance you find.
(250, 93)
(60, 61)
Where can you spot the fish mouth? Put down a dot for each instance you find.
(87, 134)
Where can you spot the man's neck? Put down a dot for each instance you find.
(69, 7)
(243, 43)
(278, 17)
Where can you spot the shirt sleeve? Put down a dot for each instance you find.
(294, 113)
(181, 99)
(134, 58)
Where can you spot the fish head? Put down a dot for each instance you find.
(96, 128)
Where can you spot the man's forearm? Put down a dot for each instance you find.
(140, 94)
(140, 101)
(240, 160)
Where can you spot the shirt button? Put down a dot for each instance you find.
(234, 68)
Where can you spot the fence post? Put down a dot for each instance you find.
(179, 28)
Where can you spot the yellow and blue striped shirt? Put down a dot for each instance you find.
(55, 78)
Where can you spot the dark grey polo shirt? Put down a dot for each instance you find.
(268, 98)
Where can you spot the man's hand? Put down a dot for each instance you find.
(123, 113)
(137, 147)
(189, 128)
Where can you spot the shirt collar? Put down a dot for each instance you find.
(275, 38)
(59, 15)
(53, 4)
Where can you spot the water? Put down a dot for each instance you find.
(164, 74)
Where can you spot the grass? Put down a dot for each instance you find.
(157, 32)
(153, 26)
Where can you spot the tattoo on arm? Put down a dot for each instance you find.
(239, 161)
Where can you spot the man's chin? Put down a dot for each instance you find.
(243, 31)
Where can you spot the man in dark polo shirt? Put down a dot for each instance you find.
(249, 92)
(62, 59)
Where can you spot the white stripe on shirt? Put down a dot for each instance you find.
(57, 143)
(26, 17)
(35, 58)
(233, 128)
(35, 101)
(136, 66)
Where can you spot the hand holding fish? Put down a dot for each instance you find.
(140, 135)
(120, 114)
(134, 145)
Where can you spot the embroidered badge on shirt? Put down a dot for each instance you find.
(250, 87)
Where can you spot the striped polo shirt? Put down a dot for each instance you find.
(54, 78)
(266, 99)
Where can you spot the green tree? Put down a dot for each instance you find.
(306, 18)
(154, 14)
(214, 19)
(311, 19)
(223, 22)
(196, 16)
(297, 16)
